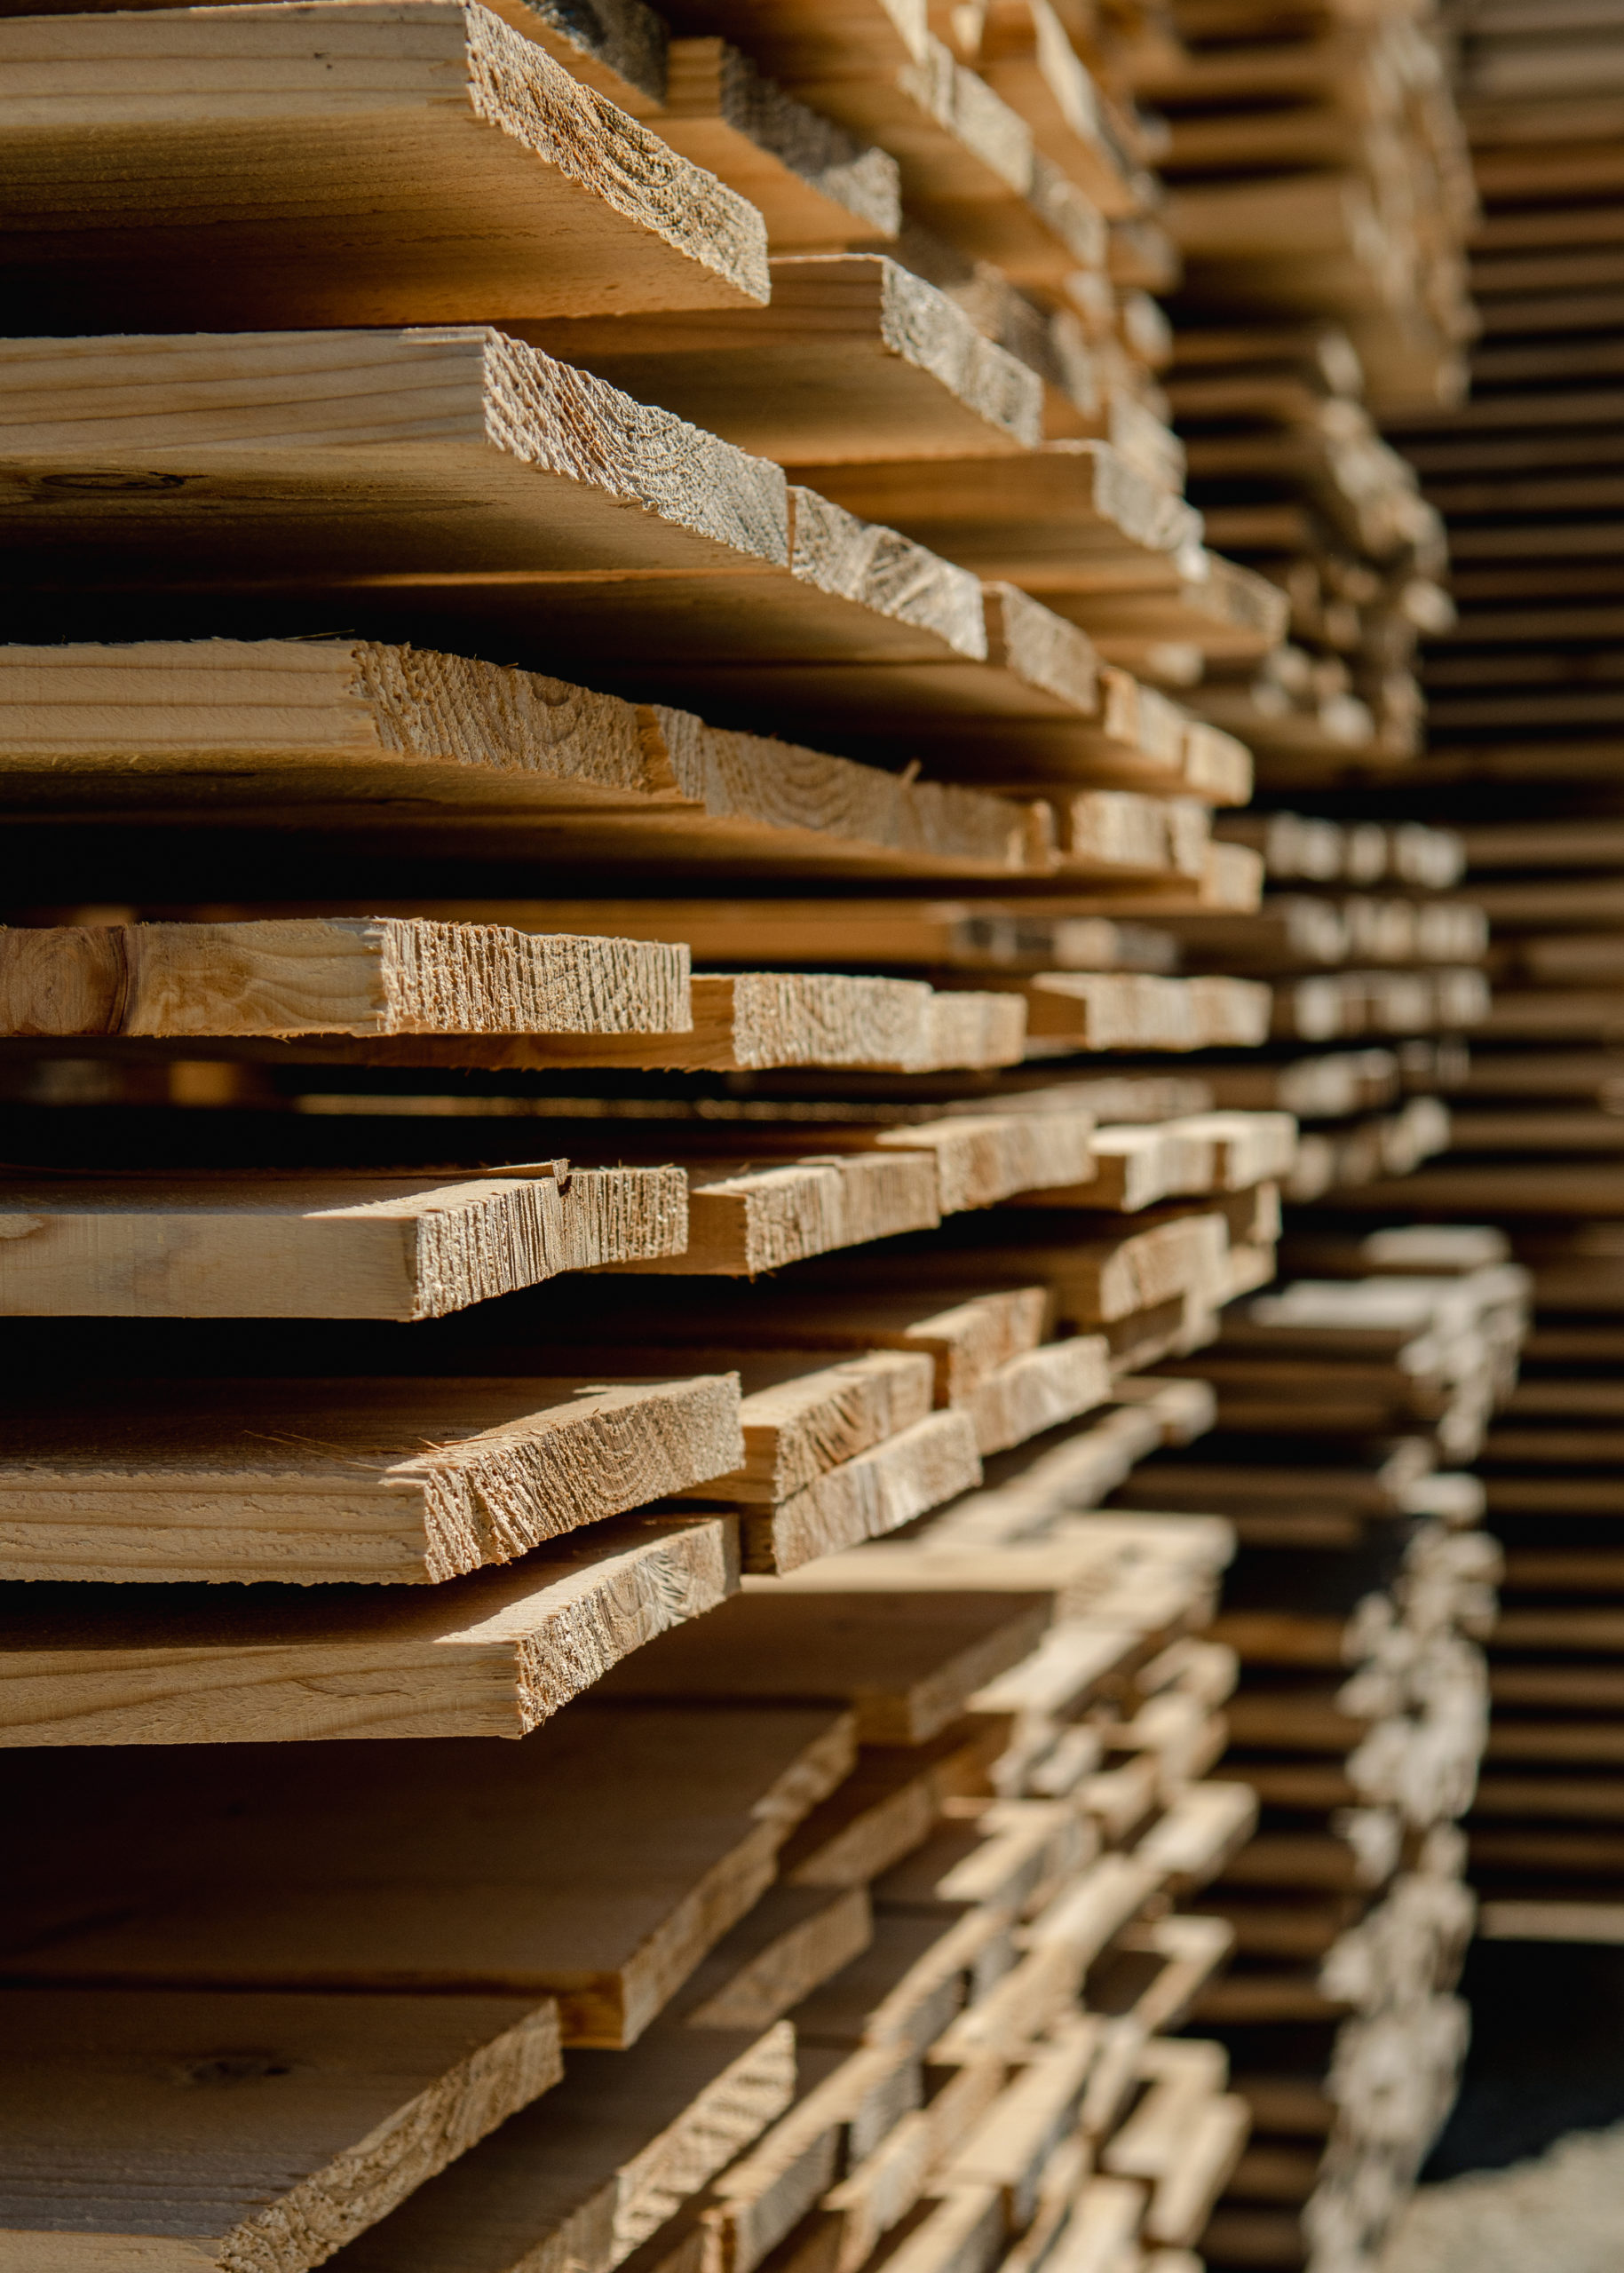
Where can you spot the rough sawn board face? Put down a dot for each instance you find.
(333, 1481)
(597, 1861)
(420, 160)
(173, 2131)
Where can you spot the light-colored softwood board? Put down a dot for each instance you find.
(849, 2103)
(793, 1938)
(854, 357)
(268, 165)
(597, 1862)
(747, 1020)
(337, 2108)
(817, 187)
(1129, 1009)
(863, 1498)
(1068, 517)
(297, 732)
(744, 1220)
(830, 933)
(980, 1158)
(1031, 63)
(347, 1481)
(906, 1664)
(493, 1654)
(1093, 1279)
(356, 975)
(801, 1416)
(219, 1245)
(967, 1322)
(631, 2135)
(1039, 1391)
(1220, 609)
(737, 1022)
(1113, 1569)
(500, 455)
(885, 1809)
(907, 1985)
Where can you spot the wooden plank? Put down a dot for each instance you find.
(968, 1326)
(361, 975)
(742, 1021)
(493, 1654)
(307, 200)
(886, 1808)
(801, 1419)
(333, 1481)
(863, 1498)
(743, 1221)
(850, 2102)
(1040, 1389)
(793, 1939)
(210, 1244)
(674, 1820)
(1071, 516)
(967, 934)
(627, 2138)
(815, 185)
(349, 732)
(1138, 1010)
(906, 1664)
(1098, 1277)
(344, 2105)
(856, 357)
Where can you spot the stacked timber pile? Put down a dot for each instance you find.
(498, 500)
(1318, 171)
(1361, 941)
(1348, 1409)
(1293, 478)
(1525, 752)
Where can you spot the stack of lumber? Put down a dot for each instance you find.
(1317, 170)
(1526, 755)
(1294, 479)
(1348, 1410)
(467, 469)
(838, 1934)
(533, 536)
(1361, 941)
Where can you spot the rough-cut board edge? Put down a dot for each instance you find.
(263, 1491)
(1038, 1390)
(528, 103)
(822, 1410)
(502, 2054)
(494, 1655)
(742, 1221)
(881, 569)
(352, 975)
(817, 187)
(161, 1250)
(864, 1498)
